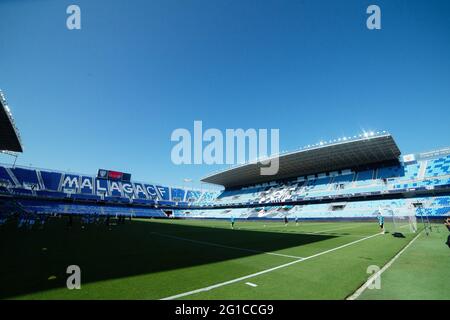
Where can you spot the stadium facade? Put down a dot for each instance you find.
(348, 178)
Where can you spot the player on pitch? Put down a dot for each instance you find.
(381, 221)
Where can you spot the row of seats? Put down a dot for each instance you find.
(52, 184)
(47, 207)
(383, 179)
(436, 207)
(45, 183)
(438, 167)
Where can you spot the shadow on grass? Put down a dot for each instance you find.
(30, 257)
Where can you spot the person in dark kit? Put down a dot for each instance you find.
(447, 224)
(286, 221)
(70, 222)
(43, 219)
(107, 221)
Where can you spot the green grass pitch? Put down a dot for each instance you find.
(206, 259)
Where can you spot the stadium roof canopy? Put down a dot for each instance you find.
(345, 154)
(9, 135)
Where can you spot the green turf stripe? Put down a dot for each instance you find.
(184, 294)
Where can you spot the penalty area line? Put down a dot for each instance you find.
(336, 229)
(372, 278)
(226, 247)
(221, 284)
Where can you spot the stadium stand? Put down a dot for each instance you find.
(367, 173)
(47, 192)
(387, 177)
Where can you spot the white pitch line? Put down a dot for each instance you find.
(251, 284)
(334, 235)
(226, 247)
(371, 279)
(221, 284)
(314, 232)
(341, 228)
(279, 225)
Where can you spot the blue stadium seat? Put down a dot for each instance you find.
(364, 175)
(4, 176)
(51, 194)
(51, 180)
(25, 176)
(344, 178)
(390, 172)
(438, 167)
(177, 194)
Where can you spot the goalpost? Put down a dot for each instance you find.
(422, 212)
(399, 220)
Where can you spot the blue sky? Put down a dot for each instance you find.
(110, 95)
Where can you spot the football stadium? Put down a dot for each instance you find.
(351, 218)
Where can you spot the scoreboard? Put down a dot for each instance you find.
(113, 175)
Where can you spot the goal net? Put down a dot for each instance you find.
(400, 219)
